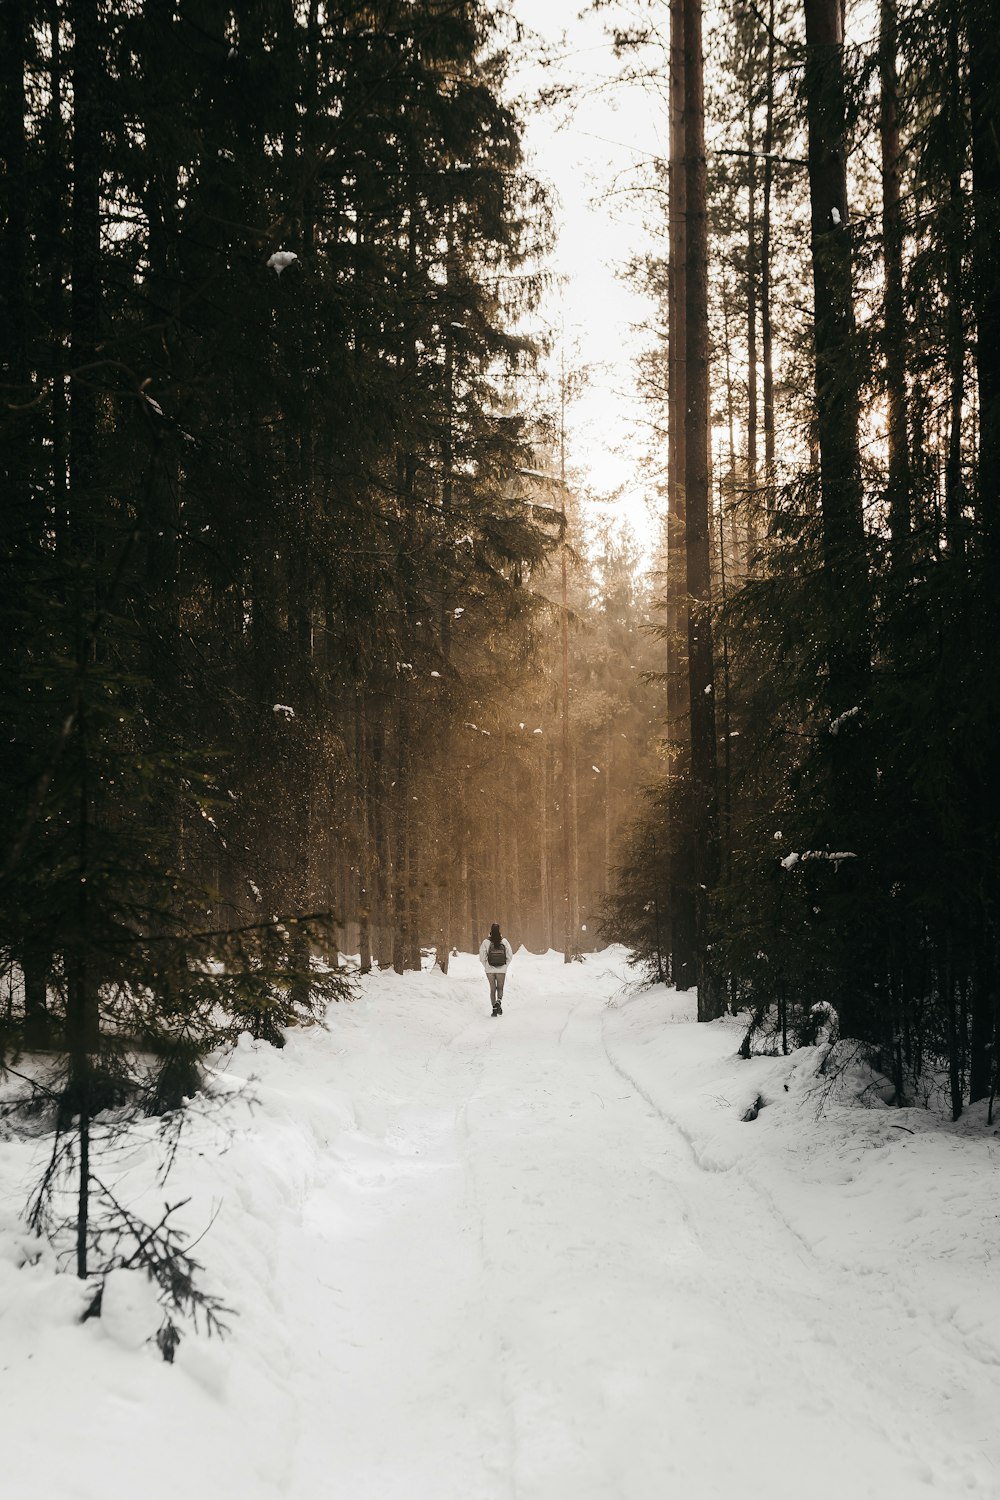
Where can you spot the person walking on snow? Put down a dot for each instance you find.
(494, 955)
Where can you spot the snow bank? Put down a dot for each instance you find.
(896, 1201)
(860, 1183)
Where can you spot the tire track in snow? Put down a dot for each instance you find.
(627, 1322)
(830, 1284)
(499, 1347)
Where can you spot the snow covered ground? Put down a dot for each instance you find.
(539, 1257)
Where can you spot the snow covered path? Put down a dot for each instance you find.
(541, 1258)
(535, 1290)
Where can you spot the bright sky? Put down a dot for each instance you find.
(591, 149)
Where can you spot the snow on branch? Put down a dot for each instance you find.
(837, 724)
(834, 857)
(281, 260)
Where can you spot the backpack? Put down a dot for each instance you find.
(496, 956)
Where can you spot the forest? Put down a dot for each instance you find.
(313, 662)
(828, 377)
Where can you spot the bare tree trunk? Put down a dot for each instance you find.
(766, 328)
(413, 903)
(475, 933)
(23, 520)
(954, 488)
(380, 842)
(400, 841)
(752, 280)
(570, 918)
(445, 855)
(984, 71)
(363, 782)
(680, 882)
(543, 849)
(514, 875)
(13, 272)
(82, 1012)
(574, 910)
(845, 564)
(55, 175)
(894, 313)
(697, 491)
(465, 922)
(837, 394)
(35, 965)
(608, 751)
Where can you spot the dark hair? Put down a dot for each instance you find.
(495, 933)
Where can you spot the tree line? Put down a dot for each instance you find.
(286, 560)
(830, 285)
(259, 270)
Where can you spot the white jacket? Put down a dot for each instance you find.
(492, 968)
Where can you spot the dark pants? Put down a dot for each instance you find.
(496, 984)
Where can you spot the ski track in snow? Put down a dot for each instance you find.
(580, 1304)
(529, 1259)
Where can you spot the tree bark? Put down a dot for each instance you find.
(363, 817)
(894, 316)
(766, 327)
(85, 221)
(543, 853)
(836, 373)
(955, 495)
(752, 294)
(570, 895)
(984, 96)
(400, 841)
(680, 878)
(13, 268)
(697, 492)
(82, 1012)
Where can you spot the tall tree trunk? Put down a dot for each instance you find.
(543, 853)
(22, 521)
(752, 295)
(55, 154)
(837, 390)
(574, 910)
(445, 854)
(82, 1013)
(984, 95)
(893, 310)
(85, 221)
(413, 903)
(465, 924)
(475, 932)
(766, 327)
(362, 820)
(516, 916)
(569, 894)
(36, 962)
(608, 752)
(954, 487)
(697, 494)
(680, 880)
(400, 840)
(380, 835)
(845, 576)
(446, 618)
(13, 271)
